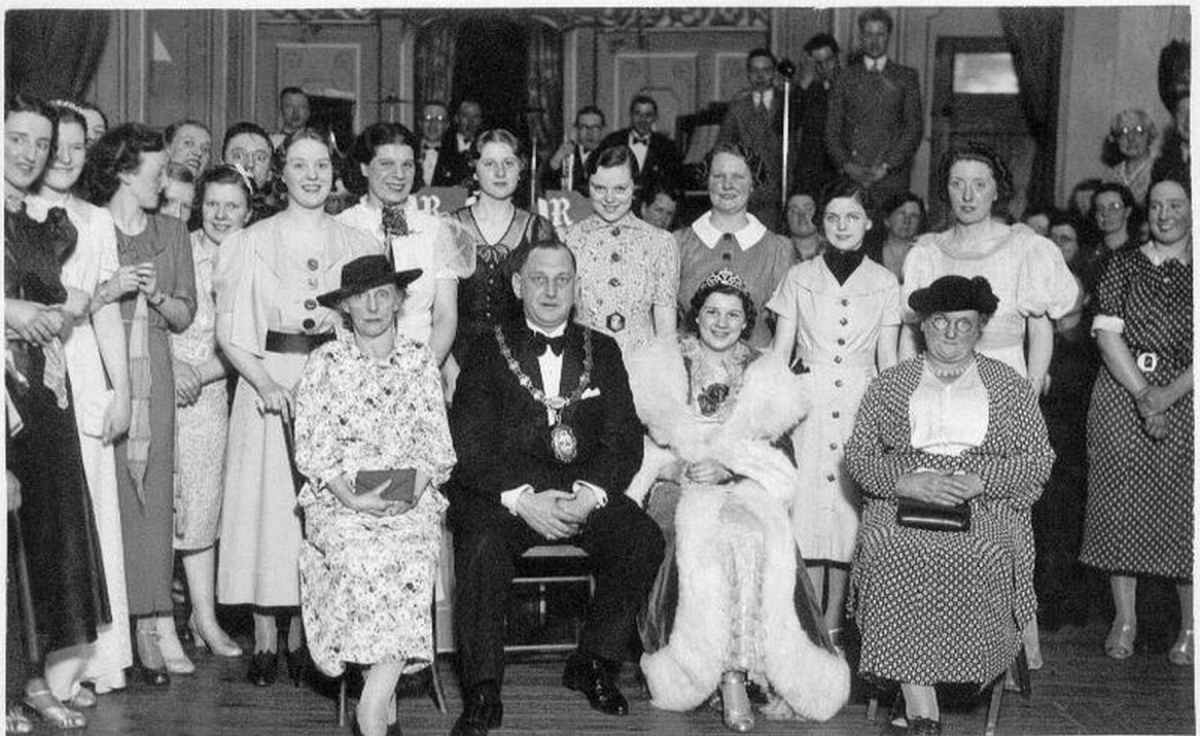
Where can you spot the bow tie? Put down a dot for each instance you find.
(639, 140)
(430, 146)
(540, 342)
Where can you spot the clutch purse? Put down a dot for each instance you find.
(403, 487)
(933, 517)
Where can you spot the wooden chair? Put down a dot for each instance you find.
(435, 679)
(1015, 678)
(550, 552)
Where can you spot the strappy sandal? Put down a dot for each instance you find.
(52, 711)
(84, 698)
(15, 721)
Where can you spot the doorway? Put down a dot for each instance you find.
(976, 97)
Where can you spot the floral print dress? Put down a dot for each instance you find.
(366, 582)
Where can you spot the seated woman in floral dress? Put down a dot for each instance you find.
(371, 400)
(732, 602)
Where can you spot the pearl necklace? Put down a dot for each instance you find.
(949, 372)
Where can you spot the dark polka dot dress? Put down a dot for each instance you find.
(941, 606)
(1140, 490)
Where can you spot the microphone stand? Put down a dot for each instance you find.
(786, 69)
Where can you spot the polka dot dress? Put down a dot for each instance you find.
(1140, 490)
(938, 606)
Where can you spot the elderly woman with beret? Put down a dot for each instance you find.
(953, 435)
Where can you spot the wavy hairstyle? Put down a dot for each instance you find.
(118, 152)
(972, 150)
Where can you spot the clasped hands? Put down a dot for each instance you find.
(1152, 404)
(943, 489)
(556, 514)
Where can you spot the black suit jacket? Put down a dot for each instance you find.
(502, 436)
(663, 162)
(552, 178)
(875, 118)
(453, 168)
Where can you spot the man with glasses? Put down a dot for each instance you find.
(567, 168)
(441, 163)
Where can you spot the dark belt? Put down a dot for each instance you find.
(283, 342)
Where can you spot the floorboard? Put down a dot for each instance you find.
(1079, 691)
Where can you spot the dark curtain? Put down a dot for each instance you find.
(434, 64)
(1034, 36)
(544, 82)
(53, 53)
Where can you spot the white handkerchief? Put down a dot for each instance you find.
(590, 393)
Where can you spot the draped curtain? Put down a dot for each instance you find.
(1035, 38)
(544, 82)
(53, 53)
(434, 63)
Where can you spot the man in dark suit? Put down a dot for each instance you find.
(755, 120)
(875, 119)
(567, 168)
(441, 163)
(657, 158)
(547, 441)
(814, 168)
(467, 124)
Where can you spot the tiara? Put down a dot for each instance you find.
(724, 277)
(74, 107)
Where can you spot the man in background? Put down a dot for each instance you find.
(754, 120)
(294, 113)
(810, 107)
(567, 168)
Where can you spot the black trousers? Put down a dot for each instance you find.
(625, 549)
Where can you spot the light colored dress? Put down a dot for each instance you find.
(937, 606)
(1026, 271)
(200, 429)
(758, 255)
(429, 246)
(837, 330)
(367, 582)
(625, 268)
(266, 282)
(93, 262)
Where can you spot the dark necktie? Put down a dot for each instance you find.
(540, 342)
(430, 146)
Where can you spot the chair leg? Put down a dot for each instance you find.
(872, 708)
(439, 694)
(993, 715)
(342, 701)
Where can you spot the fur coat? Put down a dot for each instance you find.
(811, 677)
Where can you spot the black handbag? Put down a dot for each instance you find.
(933, 517)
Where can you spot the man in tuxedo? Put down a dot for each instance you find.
(441, 163)
(810, 108)
(657, 158)
(467, 122)
(567, 168)
(875, 120)
(754, 120)
(547, 441)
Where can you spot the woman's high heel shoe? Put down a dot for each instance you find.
(1183, 651)
(1119, 644)
(53, 712)
(215, 641)
(172, 651)
(297, 663)
(152, 670)
(264, 668)
(735, 704)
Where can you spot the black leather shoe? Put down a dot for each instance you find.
(264, 668)
(924, 727)
(596, 679)
(481, 711)
(297, 663)
(151, 677)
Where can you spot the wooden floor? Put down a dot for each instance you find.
(1079, 691)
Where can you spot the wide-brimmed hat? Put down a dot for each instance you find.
(955, 294)
(365, 273)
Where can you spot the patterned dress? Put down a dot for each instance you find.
(942, 606)
(200, 428)
(1140, 490)
(625, 268)
(837, 330)
(486, 297)
(1026, 271)
(366, 582)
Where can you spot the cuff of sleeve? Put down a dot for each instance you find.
(1108, 323)
(509, 498)
(600, 494)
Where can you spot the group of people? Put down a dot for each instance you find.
(752, 436)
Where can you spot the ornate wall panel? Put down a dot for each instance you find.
(670, 78)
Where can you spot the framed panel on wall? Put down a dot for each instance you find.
(668, 77)
(330, 74)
